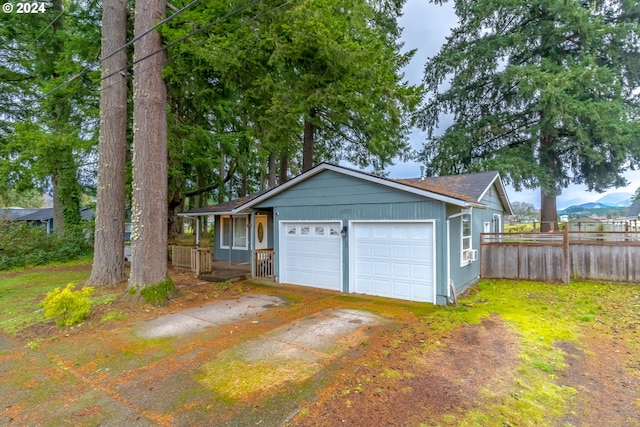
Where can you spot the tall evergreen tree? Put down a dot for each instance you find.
(48, 121)
(108, 254)
(149, 198)
(541, 90)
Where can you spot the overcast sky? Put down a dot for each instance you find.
(425, 29)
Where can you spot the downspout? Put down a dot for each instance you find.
(230, 236)
(197, 218)
(463, 212)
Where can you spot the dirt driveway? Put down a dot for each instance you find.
(388, 368)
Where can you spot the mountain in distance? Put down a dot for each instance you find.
(621, 199)
(614, 204)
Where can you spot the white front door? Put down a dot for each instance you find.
(261, 232)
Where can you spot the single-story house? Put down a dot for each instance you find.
(43, 217)
(585, 223)
(337, 228)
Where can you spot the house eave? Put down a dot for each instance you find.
(360, 175)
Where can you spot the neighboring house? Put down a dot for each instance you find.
(11, 214)
(585, 223)
(337, 228)
(44, 217)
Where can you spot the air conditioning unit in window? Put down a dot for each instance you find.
(472, 255)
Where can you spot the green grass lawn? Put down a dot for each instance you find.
(540, 314)
(22, 291)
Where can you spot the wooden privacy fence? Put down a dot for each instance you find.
(559, 256)
(195, 259)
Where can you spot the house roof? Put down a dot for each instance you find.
(45, 214)
(14, 213)
(584, 219)
(224, 208)
(461, 190)
(469, 187)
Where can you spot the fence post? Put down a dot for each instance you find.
(565, 249)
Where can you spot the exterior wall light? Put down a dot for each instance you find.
(343, 232)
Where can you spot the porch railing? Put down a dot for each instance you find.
(201, 260)
(181, 256)
(264, 263)
(198, 260)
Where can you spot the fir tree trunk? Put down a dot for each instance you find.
(307, 143)
(548, 207)
(108, 255)
(272, 170)
(284, 167)
(149, 204)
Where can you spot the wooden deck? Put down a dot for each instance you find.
(222, 271)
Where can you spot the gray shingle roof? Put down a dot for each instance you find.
(15, 213)
(634, 209)
(469, 187)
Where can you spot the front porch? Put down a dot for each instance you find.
(201, 261)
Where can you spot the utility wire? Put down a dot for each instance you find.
(45, 29)
(183, 38)
(135, 39)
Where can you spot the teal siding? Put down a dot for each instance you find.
(331, 188)
(220, 254)
(492, 200)
(423, 210)
(330, 196)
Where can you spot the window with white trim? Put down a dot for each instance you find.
(465, 238)
(225, 235)
(236, 236)
(240, 232)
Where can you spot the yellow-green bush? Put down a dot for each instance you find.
(68, 307)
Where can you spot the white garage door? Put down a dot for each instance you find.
(393, 259)
(311, 254)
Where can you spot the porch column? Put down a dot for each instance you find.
(230, 236)
(197, 218)
(252, 243)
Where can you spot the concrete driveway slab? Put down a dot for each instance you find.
(196, 319)
(309, 339)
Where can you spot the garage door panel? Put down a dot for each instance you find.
(393, 260)
(402, 271)
(402, 251)
(402, 290)
(381, 286)
(310, 254)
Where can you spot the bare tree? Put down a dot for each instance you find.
(108, 256)
(149, 198)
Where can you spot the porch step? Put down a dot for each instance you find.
(225, 276)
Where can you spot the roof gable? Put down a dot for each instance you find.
(460, 190)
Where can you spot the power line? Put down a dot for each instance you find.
(181, 39)
(45, 29)
(135, 39)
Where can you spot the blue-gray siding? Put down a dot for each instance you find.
(331, 196)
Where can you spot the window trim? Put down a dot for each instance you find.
(224, 230)
(463, 251)
(235, 230)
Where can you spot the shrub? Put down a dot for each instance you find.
(24, 244)
(67, 306)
